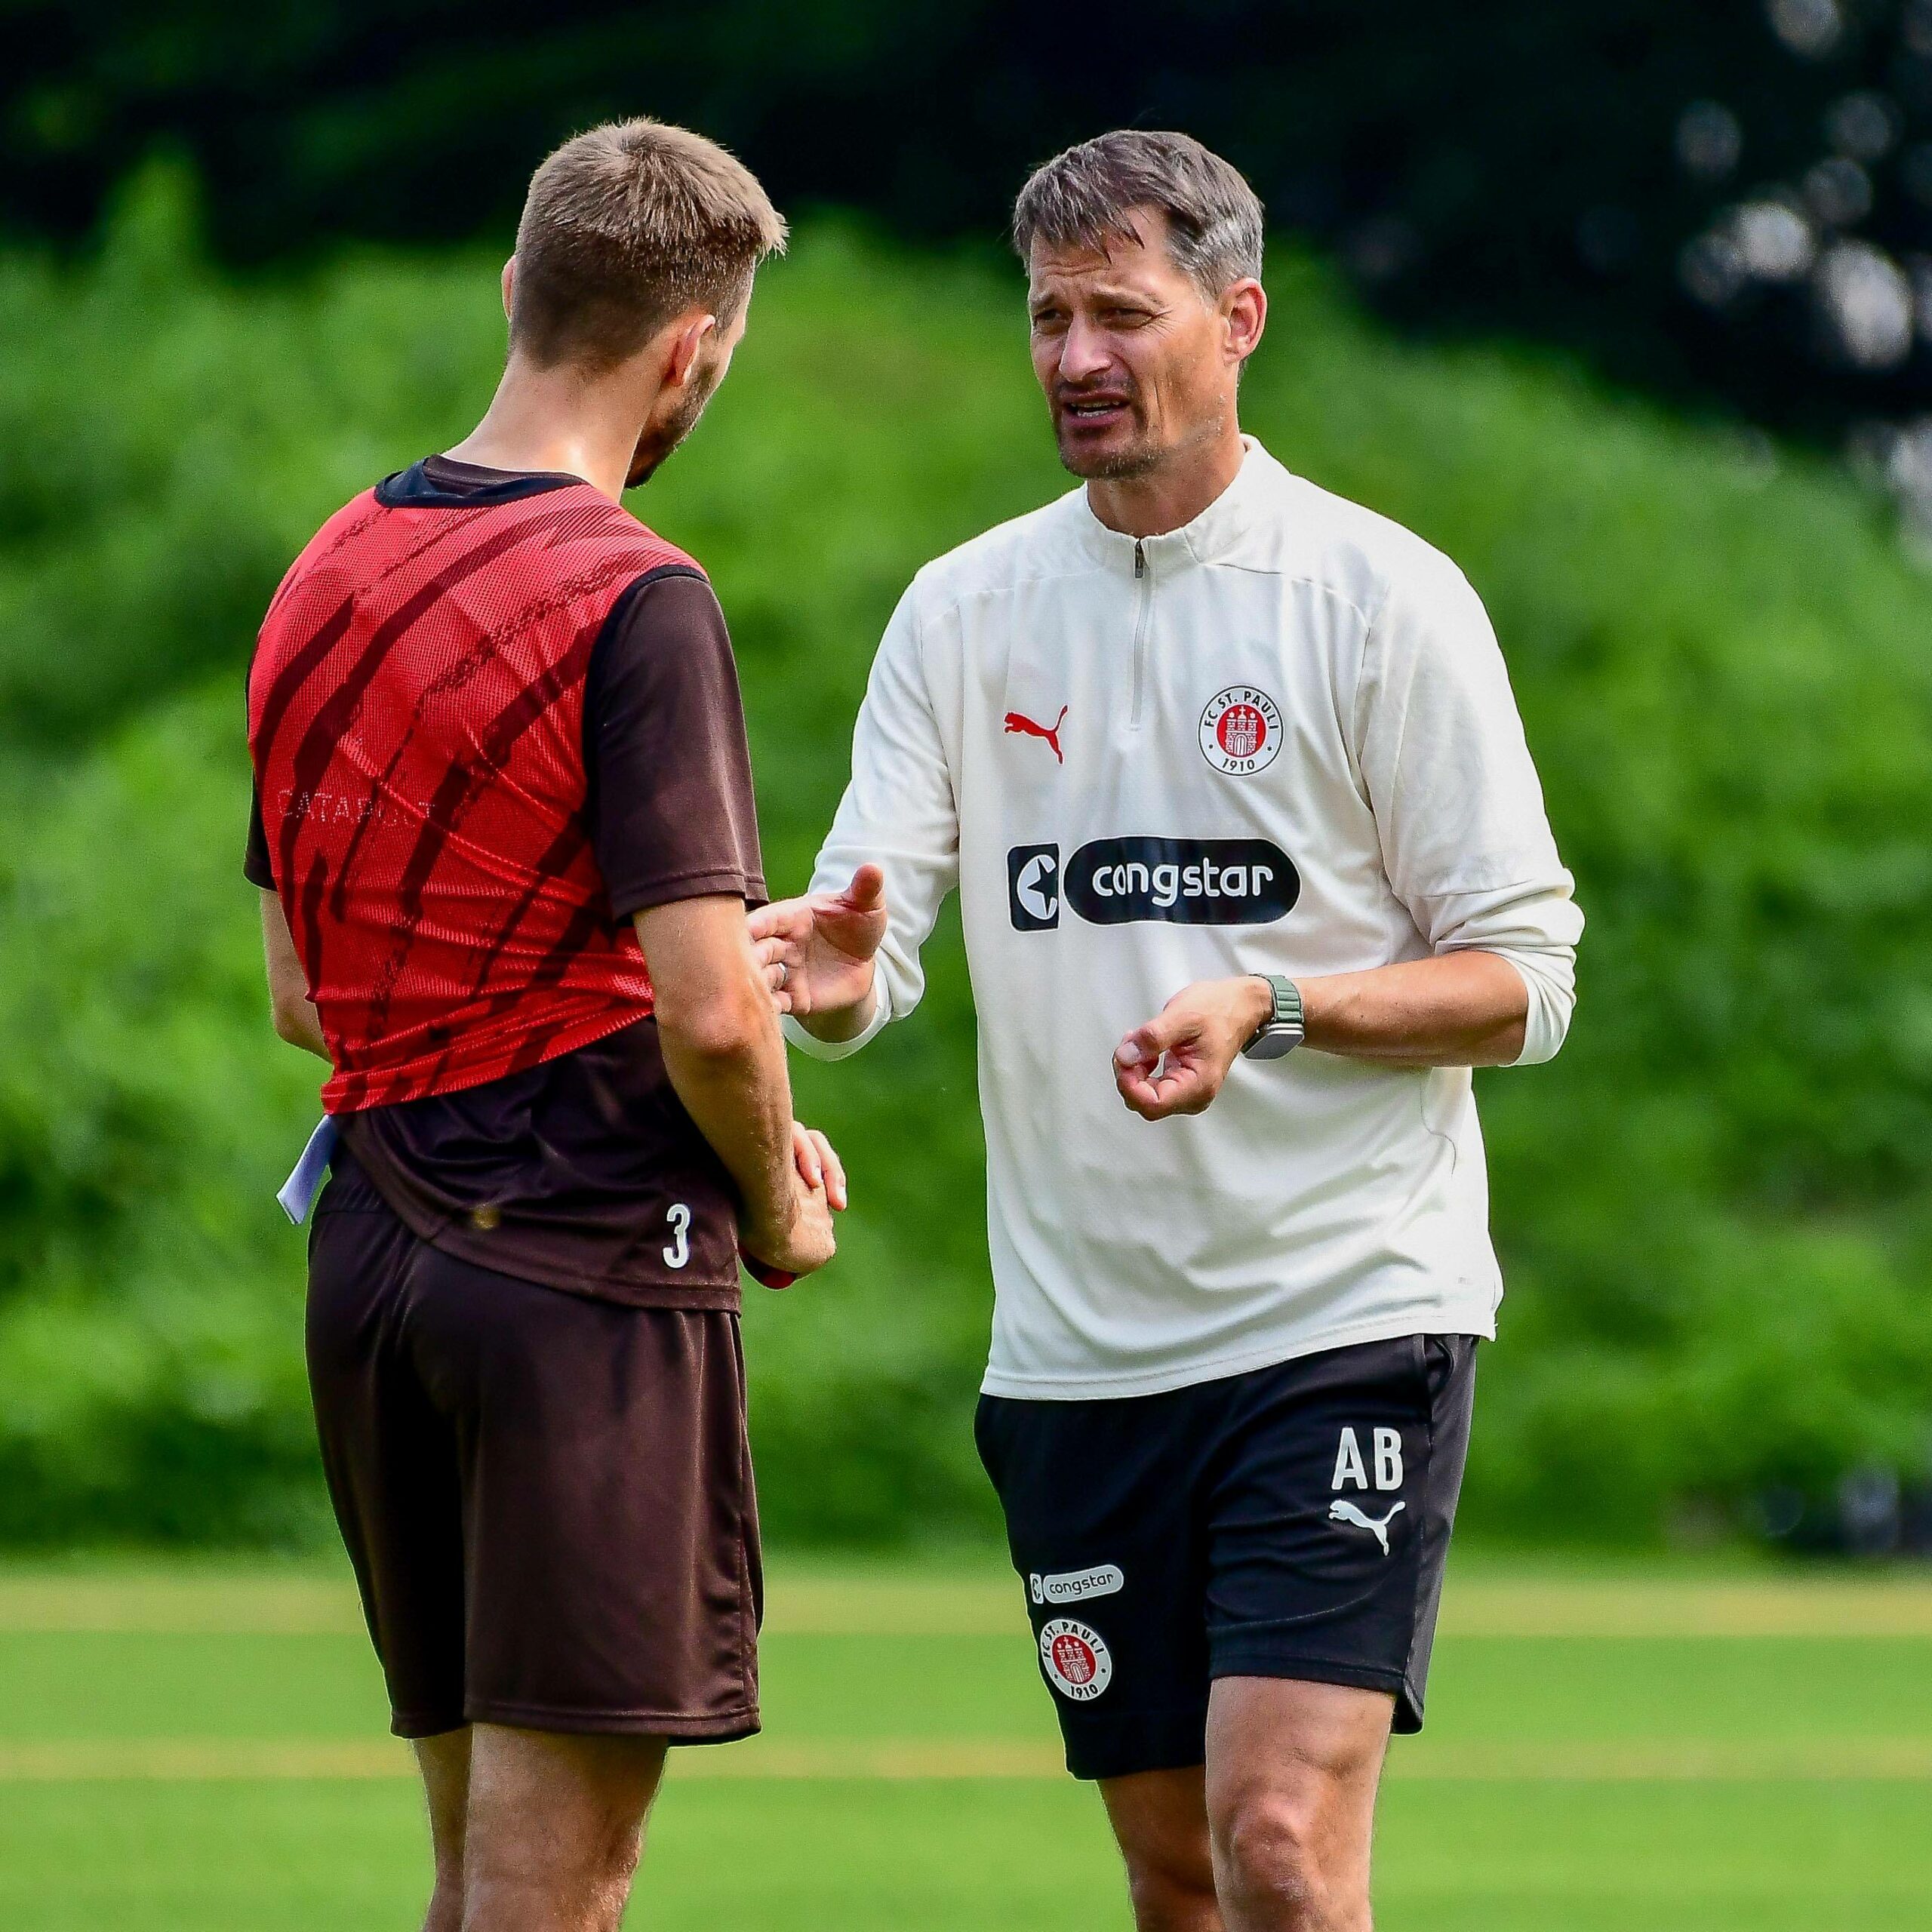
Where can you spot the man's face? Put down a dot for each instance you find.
(1134, 359)
(676, 413)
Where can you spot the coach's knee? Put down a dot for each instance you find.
(1270, 1861)
(1172, 1890)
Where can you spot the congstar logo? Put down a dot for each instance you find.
(1125, 881)
(1032, 887)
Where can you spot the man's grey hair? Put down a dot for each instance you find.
(1084, 198)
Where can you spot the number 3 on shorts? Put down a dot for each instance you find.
(679, 1252)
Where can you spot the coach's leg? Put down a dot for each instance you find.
(444, 1761)
(555, 1829)
(1160, 1821)
(1292, 1772)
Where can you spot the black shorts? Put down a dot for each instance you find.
(547, 1500)
(1290, 1522)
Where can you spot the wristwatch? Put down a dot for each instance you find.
(1282, 1031)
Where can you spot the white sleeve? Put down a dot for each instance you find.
(1465, 841)
(1536, 928)
(898, 812)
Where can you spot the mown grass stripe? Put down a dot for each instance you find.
(1481, 1607)
(187, 1761)
(166, 1607)
(810, 1605)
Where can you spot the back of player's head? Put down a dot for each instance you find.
(625, 226)
(1084, 197)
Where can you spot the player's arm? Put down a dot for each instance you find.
(721, 1047)
(669, 808)
(295, 1017)
(844, 958)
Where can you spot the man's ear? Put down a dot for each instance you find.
(687, 345)
(1244, 307)
(509, 286)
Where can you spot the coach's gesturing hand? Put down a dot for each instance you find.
(1175, 1063)
(816, 953)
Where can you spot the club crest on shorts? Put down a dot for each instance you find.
(1240, 731)
(1075, 1658)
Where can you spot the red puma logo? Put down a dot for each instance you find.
(1018, 721)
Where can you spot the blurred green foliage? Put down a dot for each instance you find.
(1714, 1208)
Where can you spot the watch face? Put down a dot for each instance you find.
(1272, 1042)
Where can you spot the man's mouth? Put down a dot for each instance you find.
(1093, 411)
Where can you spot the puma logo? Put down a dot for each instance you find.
(1018, 721)
(1341, 1511)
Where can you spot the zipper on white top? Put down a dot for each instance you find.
(1142, 615)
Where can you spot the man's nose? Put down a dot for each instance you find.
(1085, 354)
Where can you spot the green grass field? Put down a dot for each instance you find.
(201, 1750)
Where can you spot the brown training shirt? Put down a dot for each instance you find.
(584, 1172)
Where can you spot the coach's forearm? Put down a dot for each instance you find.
(836, 1025)
(1458, 1009)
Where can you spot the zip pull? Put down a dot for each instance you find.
(1143, 609)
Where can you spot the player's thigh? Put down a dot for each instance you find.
(558, 1802)
(390, 1457)
(613, 1579)
(443, 1762)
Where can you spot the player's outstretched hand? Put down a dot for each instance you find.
(778, 1259)
(1175, 1063)
(816, 951)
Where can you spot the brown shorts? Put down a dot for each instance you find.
(548, 1500)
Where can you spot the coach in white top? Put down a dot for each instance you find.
(1229, 777)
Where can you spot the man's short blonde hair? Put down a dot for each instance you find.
(625, 226)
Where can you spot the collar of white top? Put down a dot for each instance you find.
(1211, 534)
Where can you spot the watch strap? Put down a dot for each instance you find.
(1282, 1028)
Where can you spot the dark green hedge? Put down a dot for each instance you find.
(1510, 163)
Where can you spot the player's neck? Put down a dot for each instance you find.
(1175, 493)
(557, 420)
